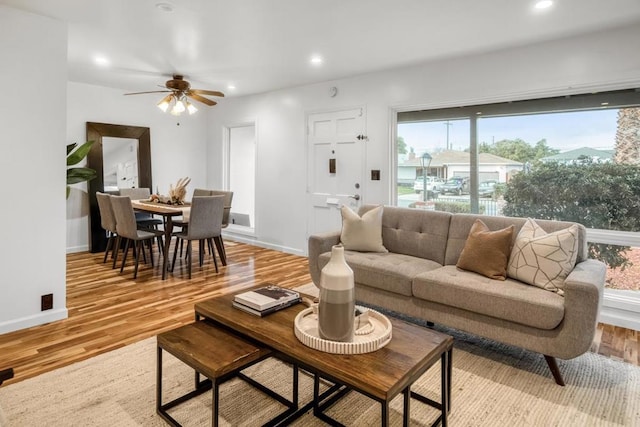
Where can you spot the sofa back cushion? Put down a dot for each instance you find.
(415, 232)
(461, 225)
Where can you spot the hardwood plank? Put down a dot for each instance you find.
(108, 310)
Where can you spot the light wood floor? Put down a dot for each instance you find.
(108, 310)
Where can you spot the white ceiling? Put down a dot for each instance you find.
(262, 45)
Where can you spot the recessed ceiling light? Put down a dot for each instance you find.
(165, 7)
(544, 4)
(316, 60)
(102, 61)
(231, 87)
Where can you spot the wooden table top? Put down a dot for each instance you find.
(212, 351)
(382, 374)
(160, 208)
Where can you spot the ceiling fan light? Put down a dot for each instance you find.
(191, 108)
(163, 105)
(178, 108)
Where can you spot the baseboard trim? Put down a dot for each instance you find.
(255, 242)
(34, 320)
(76, 249)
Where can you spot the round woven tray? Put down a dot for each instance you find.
(370, 337)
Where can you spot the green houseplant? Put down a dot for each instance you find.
(75, 154)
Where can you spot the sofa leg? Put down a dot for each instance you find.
(6, 374)
(430, 324)
(553, 365)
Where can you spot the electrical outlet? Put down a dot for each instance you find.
(46, 302)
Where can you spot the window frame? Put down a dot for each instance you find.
(619, 307)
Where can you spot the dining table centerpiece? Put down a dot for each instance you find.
(176, 195)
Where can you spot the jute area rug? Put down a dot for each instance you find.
(493, 385)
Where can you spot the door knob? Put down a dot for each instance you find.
(355, 196)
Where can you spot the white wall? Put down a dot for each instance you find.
(606, 60)
(33, 72)
(176, 151)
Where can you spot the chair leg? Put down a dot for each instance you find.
(189, 252)
(144, 254)
(175, 254)
(109, 247)
(553, 366)
(213, 254)
(124, 257)
(220, 245)
(201, 252)
(160, 245)
(150, 242)
(115, 251)
(139, 247)
(210, 245)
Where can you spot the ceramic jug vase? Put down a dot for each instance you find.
(337, 299)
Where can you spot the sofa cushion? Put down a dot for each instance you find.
(462, 223)
(509, 300)
(389, 271)
(414, 232)
(362, 233)
(544, 259)
(487, 252)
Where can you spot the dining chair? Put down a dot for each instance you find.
(127, 229)
(108, 223)
(184, 221)
(144, 220)
(228, 197)
(205, 223)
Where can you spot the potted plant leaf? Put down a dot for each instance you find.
(75, 154)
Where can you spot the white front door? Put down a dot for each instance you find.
(336, 149)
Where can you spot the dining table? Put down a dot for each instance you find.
(168, 212)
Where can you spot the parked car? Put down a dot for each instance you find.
(433, 184)
(486, 188)
(456, 185)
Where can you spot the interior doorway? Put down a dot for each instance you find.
(241, 175)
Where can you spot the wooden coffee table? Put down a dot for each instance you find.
(380, 375)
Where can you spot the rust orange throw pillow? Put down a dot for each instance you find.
(487, 252)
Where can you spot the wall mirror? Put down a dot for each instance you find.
(120, 163)
(123, 147)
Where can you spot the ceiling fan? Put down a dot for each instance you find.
(179, 91)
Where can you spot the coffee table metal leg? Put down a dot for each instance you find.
(216, 404)
(449, 375)
(445, 380)
(384, 422)
(407, 406)
(294, 398)
(159, 380)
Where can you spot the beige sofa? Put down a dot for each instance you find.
(418, 277)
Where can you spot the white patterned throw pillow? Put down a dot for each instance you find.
(362, 234)
(543, 259)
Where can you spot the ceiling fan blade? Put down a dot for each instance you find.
(207, 92)
(201, 99)
(153, 91)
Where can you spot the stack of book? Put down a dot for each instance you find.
(266, 300)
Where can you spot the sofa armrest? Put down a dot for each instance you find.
(319, 244)
(583, 290)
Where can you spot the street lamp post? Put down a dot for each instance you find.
(425, 161)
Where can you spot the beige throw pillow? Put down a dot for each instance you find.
(362, 234)
(486, 252)
(543, 259)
